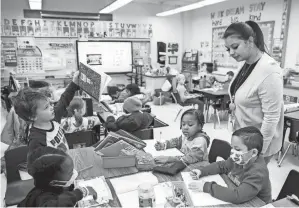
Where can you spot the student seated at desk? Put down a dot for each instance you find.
(76, 121)
(134, 119)
(187, 98)
(54, 174)
(132, 90)
(36, 109)
(193, 143)
(245, 167)
(228, 78)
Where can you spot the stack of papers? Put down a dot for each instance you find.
(150, 148)
(201, 198)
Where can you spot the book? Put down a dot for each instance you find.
(92, 81)
(100, 185)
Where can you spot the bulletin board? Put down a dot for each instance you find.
(106, 56)
(221, 56)
(141, 53)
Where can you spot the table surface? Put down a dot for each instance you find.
(293, 115)
(85, 157)
(209, 91)
(284, 203)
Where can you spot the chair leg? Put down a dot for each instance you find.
(217, 112)
(279, 164)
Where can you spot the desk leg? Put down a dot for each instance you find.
(215, 117)
(207, 109)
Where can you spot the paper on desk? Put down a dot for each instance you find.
(100, 186)
(150, 148)
(130, 199)
(131, 182)
(268, 206)
(201, 198)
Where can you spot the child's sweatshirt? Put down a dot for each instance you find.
(194, 150)
(52, 197)
(70, 125)
(53, 137)
(251, 180)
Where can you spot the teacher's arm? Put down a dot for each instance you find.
(271, 95)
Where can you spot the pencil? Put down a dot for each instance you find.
(85, 168)
(186, 165)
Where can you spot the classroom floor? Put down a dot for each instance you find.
(167, 113)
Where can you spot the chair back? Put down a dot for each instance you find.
(219, 148)
(13, 158)
(177, 99)
(81, 139)
(294, 128)
(16, 189)
(289, 186)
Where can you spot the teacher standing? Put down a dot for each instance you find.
(256, 92)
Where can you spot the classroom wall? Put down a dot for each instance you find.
(292, 52)
(199, 23)
(165, 29)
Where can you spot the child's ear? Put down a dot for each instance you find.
(255, 152)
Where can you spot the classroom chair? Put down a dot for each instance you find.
(177, 99)
(293, 139)
(82, 139)
(219, 148)
(16, 189)
(289, 187)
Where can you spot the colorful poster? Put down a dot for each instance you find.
(15, 30)
(58, 54)
(9, 53)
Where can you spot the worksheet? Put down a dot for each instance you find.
(201, 198)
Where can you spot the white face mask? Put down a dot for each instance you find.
(238, 157)
(65, 183)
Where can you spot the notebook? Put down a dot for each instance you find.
(201, 198)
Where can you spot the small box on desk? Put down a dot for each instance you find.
(112, 159)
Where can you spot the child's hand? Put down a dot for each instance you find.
(195, 174)
(197, 186)
(92, 192)
(76, 77)
(160, 146)
(162, 159)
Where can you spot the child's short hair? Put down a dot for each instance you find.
(197, 114)
(230, 73)
(252, 137)
(25, 103)
(180, 77)
(133, 88)
(43, 164)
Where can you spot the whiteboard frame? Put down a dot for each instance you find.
(122, 41)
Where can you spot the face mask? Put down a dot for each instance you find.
(65, 183)
(238, 157)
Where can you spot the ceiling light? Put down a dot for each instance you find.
(189, 7)
(115, 5)
(35, 4)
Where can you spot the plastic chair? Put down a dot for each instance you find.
(17, 189)
(177, 99)
(219, 148)
(293, 138)
(81, 139)
(289, 187)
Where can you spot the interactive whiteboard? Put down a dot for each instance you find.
(106, 56)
